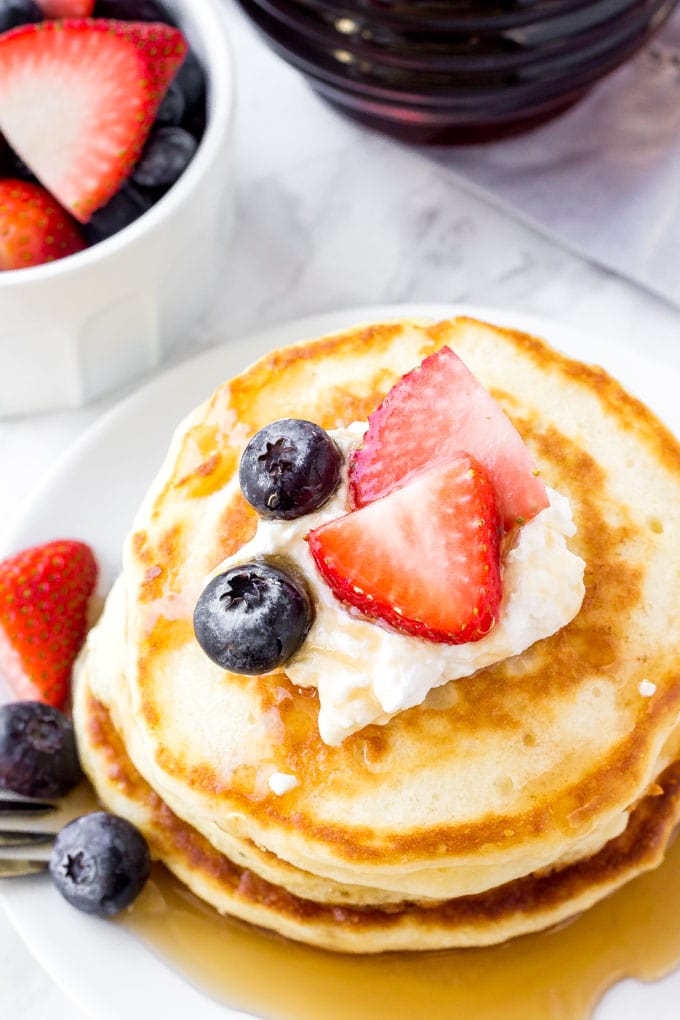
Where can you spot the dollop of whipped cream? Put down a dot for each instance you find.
(366, 672)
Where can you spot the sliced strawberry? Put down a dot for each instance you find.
(44, 593)
(434, 411)
(33, 228)
(66, 8)
(424, 559)
(78, 98)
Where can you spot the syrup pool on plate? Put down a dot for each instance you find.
(556, 975)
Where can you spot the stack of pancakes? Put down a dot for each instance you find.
(509, 800)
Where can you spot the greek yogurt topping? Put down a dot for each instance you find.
(366, 672)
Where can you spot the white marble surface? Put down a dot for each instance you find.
(329, 217)
(603, 177)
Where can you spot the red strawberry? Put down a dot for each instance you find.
(434, 411)
(66, 8)
(425, 559)
(33, 228)
(44, 593)
(78, 98)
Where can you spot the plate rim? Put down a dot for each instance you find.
(315, 324)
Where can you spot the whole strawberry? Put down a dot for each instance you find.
(44, 595)
(34, 229)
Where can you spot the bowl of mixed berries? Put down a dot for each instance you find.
(115, 152)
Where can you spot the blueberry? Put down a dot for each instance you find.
(195, 122)
(166, 155)
(6, 159)
(38, 756)
(18, 12)
(99, 863)
(289, 468)
(191, 80)
(252, 618)
(19, 169)
(132, 10)
(172, 107)
(126, 206)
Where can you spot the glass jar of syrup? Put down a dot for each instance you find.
(455, 71)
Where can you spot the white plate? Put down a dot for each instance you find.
(92, 494)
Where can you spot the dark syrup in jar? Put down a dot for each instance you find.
(455, 72)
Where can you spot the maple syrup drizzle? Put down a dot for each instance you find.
(556, 975)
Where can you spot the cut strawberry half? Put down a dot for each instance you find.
(78, 98)
(424, 559)
(33, 228)
(432, 412)
(44, 594)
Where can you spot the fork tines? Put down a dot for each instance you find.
(24, 837)
(16, 867)
(15, 807)
(25, 807)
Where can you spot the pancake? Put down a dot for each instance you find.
(529, 904)
(536, 767)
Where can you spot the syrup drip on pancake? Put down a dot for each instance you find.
(556, 975)
(559, 974)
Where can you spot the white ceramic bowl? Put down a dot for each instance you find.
(75, 328)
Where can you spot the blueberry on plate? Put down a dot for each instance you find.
(166, 155)
(289, 468)
(18, 12)
(252, 618)
(38, 756)
(99, 863)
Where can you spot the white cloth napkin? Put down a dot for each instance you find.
(604, 178)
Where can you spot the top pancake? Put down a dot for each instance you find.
(535, 761)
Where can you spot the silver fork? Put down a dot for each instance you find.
(13, 867)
